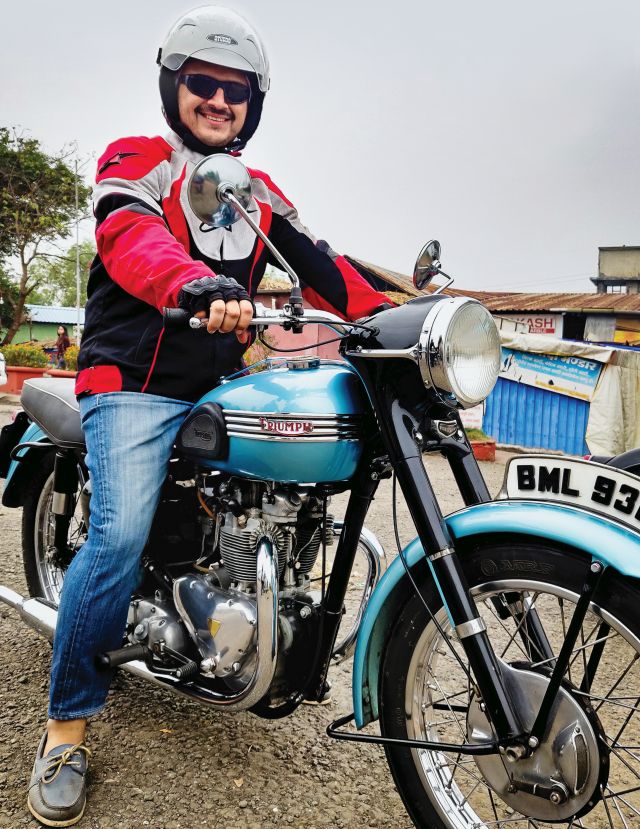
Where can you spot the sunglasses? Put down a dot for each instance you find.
(204, 86)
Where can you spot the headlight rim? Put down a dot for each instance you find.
(431, 360)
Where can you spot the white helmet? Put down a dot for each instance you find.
(221, 36)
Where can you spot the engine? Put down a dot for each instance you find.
(210, 619)
(290, 517)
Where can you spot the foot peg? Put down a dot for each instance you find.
(111, 659)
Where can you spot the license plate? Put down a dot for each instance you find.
(593, 486)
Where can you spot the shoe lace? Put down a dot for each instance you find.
(58, 761)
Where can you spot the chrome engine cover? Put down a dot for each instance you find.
(153, 622)
(222, 623)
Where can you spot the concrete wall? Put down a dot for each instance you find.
(40, 331)
(623, 263)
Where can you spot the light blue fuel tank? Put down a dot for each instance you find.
(299, 422)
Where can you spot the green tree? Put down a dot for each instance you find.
(37, 207)
(56, 277)
(8, 299)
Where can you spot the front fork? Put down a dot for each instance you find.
(447, 572)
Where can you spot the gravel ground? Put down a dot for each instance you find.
(168, 763)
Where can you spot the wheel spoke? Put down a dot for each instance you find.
(608, 701)
(606, 808)
(619, 794)
(623, 761)
(493, 612)
(461, 765)
(576, 651)
(626, 803)
(622, 818)
(457, 721)
(634, 659)
(520, 626)
(626, 722)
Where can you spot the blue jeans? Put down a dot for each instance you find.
(129, 441)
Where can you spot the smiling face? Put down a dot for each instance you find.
(214, 122)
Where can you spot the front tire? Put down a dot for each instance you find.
(425, 694)
(43, 574)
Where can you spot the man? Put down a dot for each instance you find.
(137, 380)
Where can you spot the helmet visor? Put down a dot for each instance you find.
(217, 56)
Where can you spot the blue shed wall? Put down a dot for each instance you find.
(539, 419)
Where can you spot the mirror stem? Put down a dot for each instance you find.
(226, 195)
(441, 288)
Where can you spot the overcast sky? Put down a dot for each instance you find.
(510, 131)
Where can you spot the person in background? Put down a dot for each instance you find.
(62, 344)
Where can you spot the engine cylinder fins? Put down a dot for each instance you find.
(308, 540)
(239, 548)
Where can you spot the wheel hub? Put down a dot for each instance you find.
(560, 777)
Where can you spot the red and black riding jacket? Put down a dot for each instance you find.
(150, 244)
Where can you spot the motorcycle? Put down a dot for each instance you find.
(498, 651)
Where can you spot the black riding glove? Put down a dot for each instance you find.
(198, 294)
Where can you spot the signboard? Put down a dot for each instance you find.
(568, 375)
(541, 323)
(627, 331)
(472, 418)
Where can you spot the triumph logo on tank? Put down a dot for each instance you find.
(285, 427)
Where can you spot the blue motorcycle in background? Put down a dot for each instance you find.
(499, 650)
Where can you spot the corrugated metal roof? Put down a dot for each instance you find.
(398, 280)
(506, 301)
(55, 313)
(556, 303)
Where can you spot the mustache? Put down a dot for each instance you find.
(206, 109)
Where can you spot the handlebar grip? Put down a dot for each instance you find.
(176, 317)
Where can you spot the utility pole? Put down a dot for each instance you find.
(77, 255)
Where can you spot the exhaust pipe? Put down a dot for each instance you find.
(35, 612)
(42, 617)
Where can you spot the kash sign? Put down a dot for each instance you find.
(542, 323)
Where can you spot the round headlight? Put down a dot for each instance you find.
(460, 350)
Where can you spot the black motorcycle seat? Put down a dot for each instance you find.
(52, 404)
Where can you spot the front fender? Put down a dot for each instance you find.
(20, 471)
(598, 537)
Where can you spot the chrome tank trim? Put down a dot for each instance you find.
(311, 428)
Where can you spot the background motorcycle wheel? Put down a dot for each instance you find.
(424, 692)
(44, 576)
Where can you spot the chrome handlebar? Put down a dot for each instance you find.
(264, 317)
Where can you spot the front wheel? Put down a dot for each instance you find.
(43, 572)
(589, 759)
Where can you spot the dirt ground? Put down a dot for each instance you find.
(168, 763)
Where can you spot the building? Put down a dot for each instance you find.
(43, 321)
(618, 270)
